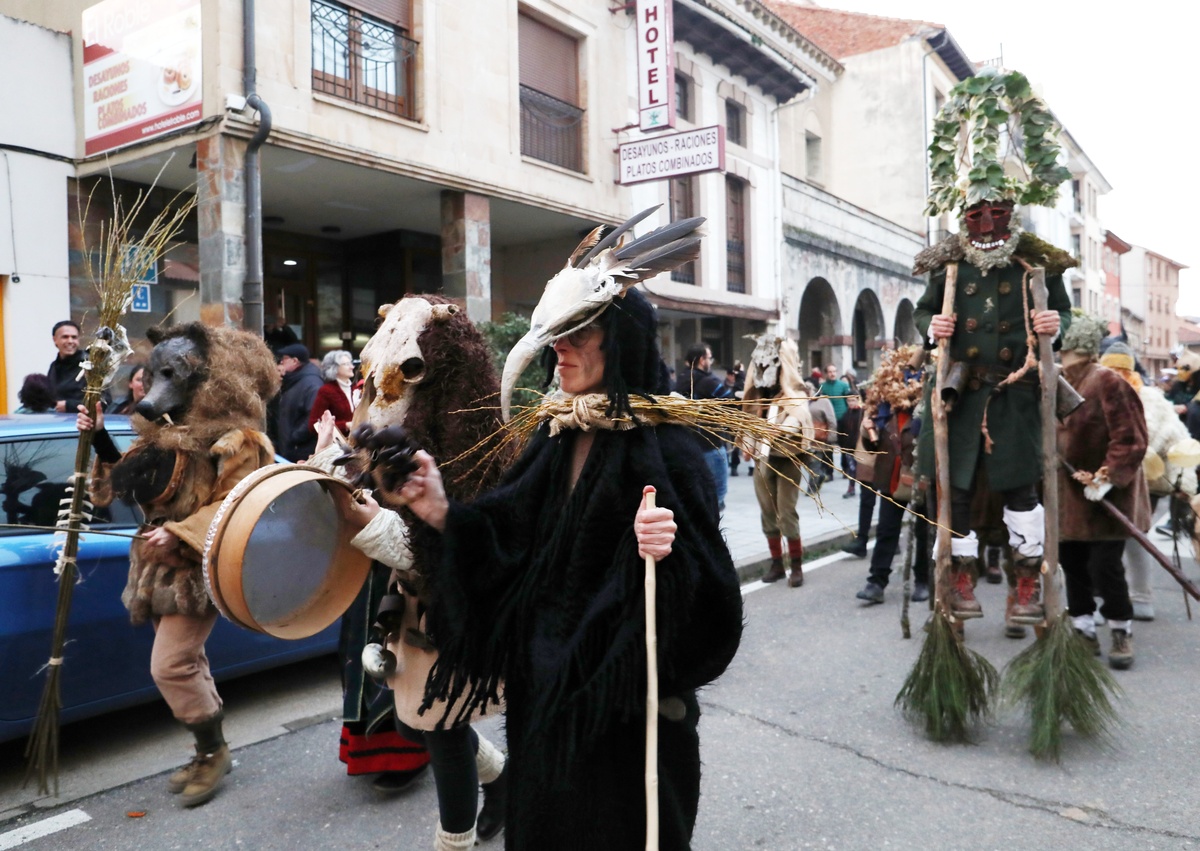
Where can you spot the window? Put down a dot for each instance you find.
(812, 156)
(735, 235)
(682, 191)
(551, 120)
(1075, 196)
(683, 97)
(735, 123)
(368, 59)
(1077, 248)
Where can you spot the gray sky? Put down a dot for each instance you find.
(1121, 80)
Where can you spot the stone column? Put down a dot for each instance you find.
(467, 252)
(221, 214)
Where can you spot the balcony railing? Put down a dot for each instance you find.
(551, 130)
(362, 60)
(735, 266)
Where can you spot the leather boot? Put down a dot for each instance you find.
(963, 572)
(775, 572)
(797, 577)
(208, 768)
(1028, 608)
(492, 766)
(180, 778)
(1012, 630)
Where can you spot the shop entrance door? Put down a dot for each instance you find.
(289, 298)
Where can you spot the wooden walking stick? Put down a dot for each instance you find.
(651, 692)
(1057, 676)
(949, 685)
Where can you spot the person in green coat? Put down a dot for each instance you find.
(995, 422)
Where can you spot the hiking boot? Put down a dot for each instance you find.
(1012, 630)
(796, 579)
(872, 593)
(775, 572)
(1090, 641)
(178, 781)
(1120, 656)
(208, 774)
(920, 592)
(1028, 608)
(961, 598)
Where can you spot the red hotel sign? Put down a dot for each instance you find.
(141, 71)
(656, 65)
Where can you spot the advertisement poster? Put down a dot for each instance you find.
(141, 71)
(672, 155)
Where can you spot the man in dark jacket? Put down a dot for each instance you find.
(700, 383)
(64, 372)
(301, 381)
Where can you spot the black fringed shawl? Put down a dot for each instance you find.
(542, 590)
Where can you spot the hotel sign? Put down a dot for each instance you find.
(141, 71)
(673, 155)
(656, 65)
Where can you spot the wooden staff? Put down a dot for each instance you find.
(1049, 384)
(651, 692)
(941, 450)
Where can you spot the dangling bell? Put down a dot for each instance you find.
(378, 661)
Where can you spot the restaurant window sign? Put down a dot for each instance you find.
(141, 71)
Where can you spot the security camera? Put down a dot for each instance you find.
(16, 279)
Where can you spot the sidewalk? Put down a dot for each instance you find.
(824, 525)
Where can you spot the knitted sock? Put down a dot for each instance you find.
(775, 545)
(795, 548)
(489, 761)
(443, 841)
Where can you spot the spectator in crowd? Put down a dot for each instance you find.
(137, 391)
(337, 393)
(36, 395)
(700, 383)
(301, 381)
(64, 372)
(837, 390)
(735, 380)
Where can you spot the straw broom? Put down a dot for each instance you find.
(118, 263)
(949, 686)
(1057, 676)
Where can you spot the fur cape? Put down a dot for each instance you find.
(217, 444)
(1035, 251)
(541, 587)
(1165, 430)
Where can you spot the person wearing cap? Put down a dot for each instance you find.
(301, 381)
(1105, 440)
(1183, 389)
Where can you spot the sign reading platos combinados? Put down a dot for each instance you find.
(141, 71)
(672, 155)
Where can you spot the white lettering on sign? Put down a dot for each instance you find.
(656, 65)
(660, 157)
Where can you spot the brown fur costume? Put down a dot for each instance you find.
(215, 445)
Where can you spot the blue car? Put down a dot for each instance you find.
(106, 660)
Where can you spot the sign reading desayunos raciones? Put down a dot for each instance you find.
(672, 155)
(656, 65)
(141, 71)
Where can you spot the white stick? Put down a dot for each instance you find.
(651, 694)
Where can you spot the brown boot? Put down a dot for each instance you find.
(1012, 630)
(208, 773)
(775, 572)
(1028, 608)
(178, 781)
(963, 572)
(797, 577)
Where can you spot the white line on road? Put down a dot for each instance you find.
(809, 567)
(45, 827)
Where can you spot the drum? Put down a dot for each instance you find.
(277, 557)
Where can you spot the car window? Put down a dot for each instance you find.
(35, 478)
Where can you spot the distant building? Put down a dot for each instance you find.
(1150, 282)
(1113, 312)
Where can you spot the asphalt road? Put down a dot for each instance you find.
(801, 744)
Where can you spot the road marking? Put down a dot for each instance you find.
(809, 567)
(45, 827)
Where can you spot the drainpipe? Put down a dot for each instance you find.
(252, 288)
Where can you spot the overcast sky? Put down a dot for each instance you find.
(1123, 79)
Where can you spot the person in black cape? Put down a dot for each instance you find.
(540, 592)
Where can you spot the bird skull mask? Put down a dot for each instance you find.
(392, 362)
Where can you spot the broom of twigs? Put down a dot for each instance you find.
(118, 261)
(950, 686)
(1057, 676)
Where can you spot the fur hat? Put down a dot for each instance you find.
(1084, 335)
(1189, 361)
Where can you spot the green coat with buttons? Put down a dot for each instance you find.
(990, 336)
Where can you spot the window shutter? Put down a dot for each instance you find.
(398, 12)
(548, 60)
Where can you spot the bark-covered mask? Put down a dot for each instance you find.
(989, 224)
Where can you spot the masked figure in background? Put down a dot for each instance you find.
(994, 424)
(200, 432)
(776, 392)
